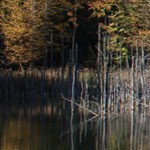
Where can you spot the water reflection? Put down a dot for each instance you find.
(52, 128)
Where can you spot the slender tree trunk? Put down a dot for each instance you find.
(137, 72)
(143, 89)
(107, 73)
(76, 68)
(98, 65)
(132, 128)
(104, 74)
(46, 35)
(104, 133)
(32, 42)
(72, 132)
(132, 85)
(74, 39)
(73, 88)
(62, 59)
(73, 62)
(52, 64)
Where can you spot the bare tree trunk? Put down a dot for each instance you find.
(132, 85)
(143, 88)
(104, 133)
(137, 72)
(132, 128)
(69, 75)
(32, 42)
(104, 73)
(73, 89)
(52, 65)
(107, 73)
(45, 38)
(62, 58)
(72, 132)
(98, 65)
(73, 62)
(74, 39)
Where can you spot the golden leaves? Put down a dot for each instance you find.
(16, 31)
(70, 13)
(101, 8)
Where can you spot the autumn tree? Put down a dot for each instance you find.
(143, 11)
(16, 46)
(122, 21)
(1, 46)
(21, 25)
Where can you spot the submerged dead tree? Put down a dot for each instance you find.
(98, 66)
(102, 69)
(115, 87)
(73, 61)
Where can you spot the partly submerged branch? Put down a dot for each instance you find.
(86, 109)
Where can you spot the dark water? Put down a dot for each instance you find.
(53, 128)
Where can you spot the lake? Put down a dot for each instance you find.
(53, 128)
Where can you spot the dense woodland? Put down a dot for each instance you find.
(37, 33)
(68, 62)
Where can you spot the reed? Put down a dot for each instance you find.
(107, 89)
(115, 90)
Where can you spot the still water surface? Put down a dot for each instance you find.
(52, 128)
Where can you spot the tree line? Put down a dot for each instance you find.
(45, 32)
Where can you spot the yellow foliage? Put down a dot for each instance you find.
(17, 26)
(70, 14)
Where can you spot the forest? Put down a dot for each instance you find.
(44, 33)
(81, 50)
(74, 74)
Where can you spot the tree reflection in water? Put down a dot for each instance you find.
(60, 130)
